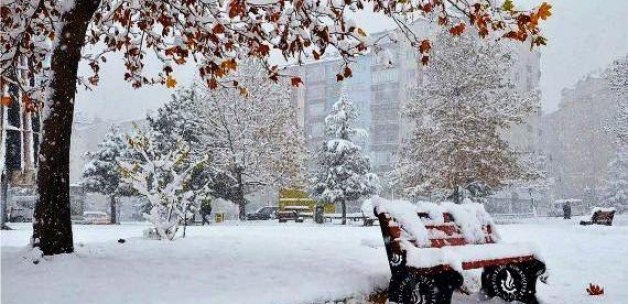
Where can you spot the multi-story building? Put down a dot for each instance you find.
(381, 83)
(19, 145)
(577, 141)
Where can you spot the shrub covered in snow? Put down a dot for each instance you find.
(163, 178)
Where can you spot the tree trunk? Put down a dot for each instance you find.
(240, 198)
(343, 203)
(52, 225)
(456, 195)
(113, 210)
(242, 211)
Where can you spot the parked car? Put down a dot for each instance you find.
(20, 214)
(264, 213)
(96, 218)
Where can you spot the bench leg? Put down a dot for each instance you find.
(447, 283)
(429, 289)
(513, 282)
(395, 288)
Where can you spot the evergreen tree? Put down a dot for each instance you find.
(179, 120)
(342, 172)
(465, 103)
(102, 175)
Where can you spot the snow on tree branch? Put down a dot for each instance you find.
(465, 103)
(163, 178)
(217, 35)
(617, 76)
(342, 172)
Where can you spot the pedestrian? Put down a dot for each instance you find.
(206, 211)
(567, 211)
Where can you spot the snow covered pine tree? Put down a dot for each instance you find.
(180, 120)
(102, 173)
(217, 34)
(458, 117)
(342, 172)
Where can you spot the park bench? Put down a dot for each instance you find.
(429, 246)
(601, 216)
(293, 213)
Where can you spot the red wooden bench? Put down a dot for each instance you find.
(601, 216)
(429, 249)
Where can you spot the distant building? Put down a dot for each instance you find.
(380, 85)
(20, 127)
(577, 141)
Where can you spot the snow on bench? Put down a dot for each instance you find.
(600, 216)
(429, 246)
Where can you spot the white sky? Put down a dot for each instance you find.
(584, 36)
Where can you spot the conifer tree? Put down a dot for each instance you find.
(102, 175)
(342, 172)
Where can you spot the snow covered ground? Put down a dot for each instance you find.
(266, 262)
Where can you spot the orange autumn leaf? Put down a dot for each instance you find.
(296, 81)
(5, 101)
(347, 72)
(218, 29)
(425, 60)
(171, 82)
(544, 11)
(212, 83)
(457, 30)
(425, 46)
(595, 290)
(230, 64)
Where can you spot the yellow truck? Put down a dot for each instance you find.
(295, 204)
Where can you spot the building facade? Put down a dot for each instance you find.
(20, 126)
(577, 141)
(382, 82)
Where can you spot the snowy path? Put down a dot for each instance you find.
(270, 263)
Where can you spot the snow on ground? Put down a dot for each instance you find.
(266, 262)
